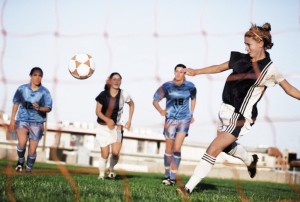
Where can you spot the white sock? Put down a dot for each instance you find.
(102, 166)
(113, 161)
(202, 169)
(240, 152)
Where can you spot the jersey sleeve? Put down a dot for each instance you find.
(101, 98)
(126, 96)
(17, 96)
(160, 93)
(193, 92)
(273, 77)
(47, 99)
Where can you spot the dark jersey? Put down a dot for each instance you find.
(247, 83)
(112, 106)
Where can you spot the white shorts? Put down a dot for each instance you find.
(106, 136)
(232, 122)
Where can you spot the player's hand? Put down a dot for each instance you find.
(12, 125)
(110, 124)
(163, 112)
(127, 125)
(189, 71)
(192, 120)
(36, 106)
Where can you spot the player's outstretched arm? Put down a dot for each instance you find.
(207, 70)
(290, 89)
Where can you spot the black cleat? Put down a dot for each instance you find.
(19, 167)
(165, 180)
(169, 182)
(183, 192)
(252, 167)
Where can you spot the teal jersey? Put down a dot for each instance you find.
(177, 99)
(24, 96)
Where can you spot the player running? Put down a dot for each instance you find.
(109, 133)
(31, 101)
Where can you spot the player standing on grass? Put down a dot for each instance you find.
(109, 133)
(251, 74)
(31, 102)
(179, 116)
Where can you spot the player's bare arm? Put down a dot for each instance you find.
(158, 108)
(207, 70)
(290, 89)
(109, 122)
(131, 110)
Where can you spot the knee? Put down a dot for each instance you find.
(213, 151)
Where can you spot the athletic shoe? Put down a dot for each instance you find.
(165, 180)
(111, 175)
(252, 166)
(169, 182)
(183, 191)
(19, 167)
(101, 177)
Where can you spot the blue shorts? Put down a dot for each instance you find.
(35, 130)
(172, 127)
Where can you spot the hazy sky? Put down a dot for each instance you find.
(144, 40)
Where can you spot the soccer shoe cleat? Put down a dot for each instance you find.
(169, 182)
(111, 175)
(165, 180)
(252, 167)
(183, 191)
(19, 167)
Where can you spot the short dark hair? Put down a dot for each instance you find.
(36, 69)
(179, 65)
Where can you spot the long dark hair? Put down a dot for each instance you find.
(107, 84)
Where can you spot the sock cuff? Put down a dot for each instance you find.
(167, 154)
(177, 154)
(210, 159)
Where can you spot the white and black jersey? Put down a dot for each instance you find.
(112, 106)
(247, 83)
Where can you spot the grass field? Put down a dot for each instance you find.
(55, 182)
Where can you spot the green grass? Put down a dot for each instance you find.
(48, 183)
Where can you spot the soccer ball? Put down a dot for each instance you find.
(82, 66)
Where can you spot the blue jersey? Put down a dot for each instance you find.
(177, 99)
(24, 96)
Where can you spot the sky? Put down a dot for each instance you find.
(144, 41)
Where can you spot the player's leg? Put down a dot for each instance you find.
(22, 133)
(237, 125)
(208, 160)
(31, 157)
(169, 133)
(167, 160)
(176, 156)
(238, 151)
(36, 132)
(115, 152)
(103, 160)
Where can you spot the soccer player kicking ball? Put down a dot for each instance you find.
(251, 74)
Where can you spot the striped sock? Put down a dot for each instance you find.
(202, 169)
(21, 154)
(167, 162)
(30, 161)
